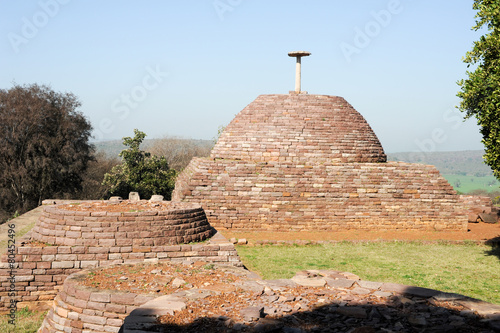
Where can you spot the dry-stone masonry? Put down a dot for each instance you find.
(299, 128)
(312, 301)
(312, 162)
(180, 223)
(65, 241)
(480, 208)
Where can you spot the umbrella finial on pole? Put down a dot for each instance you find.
(298, 55)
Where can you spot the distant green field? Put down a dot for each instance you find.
(466, 184)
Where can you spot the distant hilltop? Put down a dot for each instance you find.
(468, 162)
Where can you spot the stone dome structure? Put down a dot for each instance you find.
(299, 128)
(311, 162)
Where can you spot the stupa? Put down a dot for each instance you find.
(291, 162)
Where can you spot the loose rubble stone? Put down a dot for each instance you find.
(176, 283)
(252, 313)
(417, 320)
(156, 198)
(280, 306)
(343, 283)
(134, 196)
(369, 284)
(352, 311)
(360, 291)
(382, 294)
(309, 282)
(242, 241)
(268, 325)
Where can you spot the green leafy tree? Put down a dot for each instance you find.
(140, 172)
(44, 146)
(480, 92)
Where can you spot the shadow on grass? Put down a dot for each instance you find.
(495, 247)
(400, 314)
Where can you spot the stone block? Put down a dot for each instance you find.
(102, 297)
(116, 308)
(62, 264)
(125, 299)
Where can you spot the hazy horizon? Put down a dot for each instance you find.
(186, 68)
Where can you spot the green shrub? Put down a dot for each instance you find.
(140, 172)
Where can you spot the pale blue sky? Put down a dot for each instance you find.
(183, 68)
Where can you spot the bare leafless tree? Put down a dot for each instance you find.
(92, 187)
(179, 151)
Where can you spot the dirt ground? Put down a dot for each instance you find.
(476, 232)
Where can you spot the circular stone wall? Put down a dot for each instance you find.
(123, 223)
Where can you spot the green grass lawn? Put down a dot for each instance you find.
(469, 269)
(465, 184)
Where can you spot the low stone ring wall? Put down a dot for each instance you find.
(77, 308)
(326, 300)
(180, 223)
(68, 239)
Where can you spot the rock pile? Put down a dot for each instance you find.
(314, 301)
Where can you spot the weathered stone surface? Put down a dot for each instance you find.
(156, 198)
(341, 283)
(252, 313)
(102, 238)
(309, 282)
(488, 218)
(165, 302)
(177, 282)
(417, 320)
(134, 196)
(288, 309)
(482, 308)
(352, 311)
(311, 162)
(360, 291)
(268, 325)
(382, 294)
(301, 129)
(369, 284)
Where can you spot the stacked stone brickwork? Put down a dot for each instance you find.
(283, 196)
(476, 203)
(64, 242)
(108, 228)
(329, 301)
(299, 128)
(83, 309)
(480, 208)
(311, 162)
